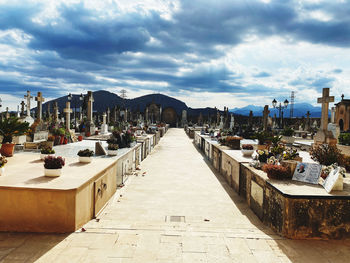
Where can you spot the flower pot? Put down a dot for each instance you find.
(80, 138)
(247, 153)
(85, 159)
(112, 152)
(53, 172)
(44, 155)
(87, 134)
(2, 171)
(61, 139)
(291, 164)
(7, 149)
(96, 132)
(132, 144)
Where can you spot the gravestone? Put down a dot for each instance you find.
(67, 111)
(99, 150)
(28, 118)
(334, 181)
(183, 118)
(324, 135)
(265, 117)
(39, 99)
(104, 126)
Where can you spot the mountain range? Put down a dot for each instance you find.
(300, 110)
(104, 99)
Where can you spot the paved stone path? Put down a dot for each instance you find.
(180, 211)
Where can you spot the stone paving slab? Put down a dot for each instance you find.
(218, 226)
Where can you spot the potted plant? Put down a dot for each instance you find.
(276, 171)
(130, 139)
(113, 149)
(46, 151)
(263, 138)
(85, 156)
(53, 165)
(247, 150)
(326, 154)
(287, 135)
(8, 128)
(3, 161)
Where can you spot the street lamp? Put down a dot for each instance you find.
(280, 108)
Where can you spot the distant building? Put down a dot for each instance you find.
(342, 114)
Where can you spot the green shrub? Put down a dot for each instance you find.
(287, 132)
(344, 138)
(326, 154)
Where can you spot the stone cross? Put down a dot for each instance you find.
(28, 97)
(68, 111)
(108, 115)
(325, 100)
(22, 108)
(146, 114)
(48, 111)
(40, 99)
(7, 113)
(342, 97)
(90, 106)
(265, 116)
(55, 112)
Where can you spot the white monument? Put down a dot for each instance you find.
(28, 118)
(104, 126)
(232, 122)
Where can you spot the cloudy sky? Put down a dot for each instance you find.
(206, 53)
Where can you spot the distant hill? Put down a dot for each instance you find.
(104, 99)
(300, 110)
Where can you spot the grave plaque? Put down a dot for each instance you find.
(99, 150)
(332, 181)
(307, 172)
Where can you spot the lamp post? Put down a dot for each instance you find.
(280, 108)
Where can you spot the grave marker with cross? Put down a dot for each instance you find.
(7, 115)
(55, 112)
(68, 111)
(325, 100)
(307, 126)
(28, 98)
(39, 99)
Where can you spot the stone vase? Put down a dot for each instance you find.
(85, 159)
(53, 172)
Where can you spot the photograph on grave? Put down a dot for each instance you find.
(307, 172)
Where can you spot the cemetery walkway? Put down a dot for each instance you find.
(181, 210)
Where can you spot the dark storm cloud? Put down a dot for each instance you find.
(144, 46)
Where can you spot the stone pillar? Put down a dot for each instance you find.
(22, 108)
(55, 113)
(90, 126)
(68, 111)
(108, 115)
(7, 114)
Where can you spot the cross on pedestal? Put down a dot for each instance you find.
(68, 111)
(40, 99)
(266, 113)
(28, 98)
(342, 97)
(325, 100)
(22, 107)
(104, 115)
